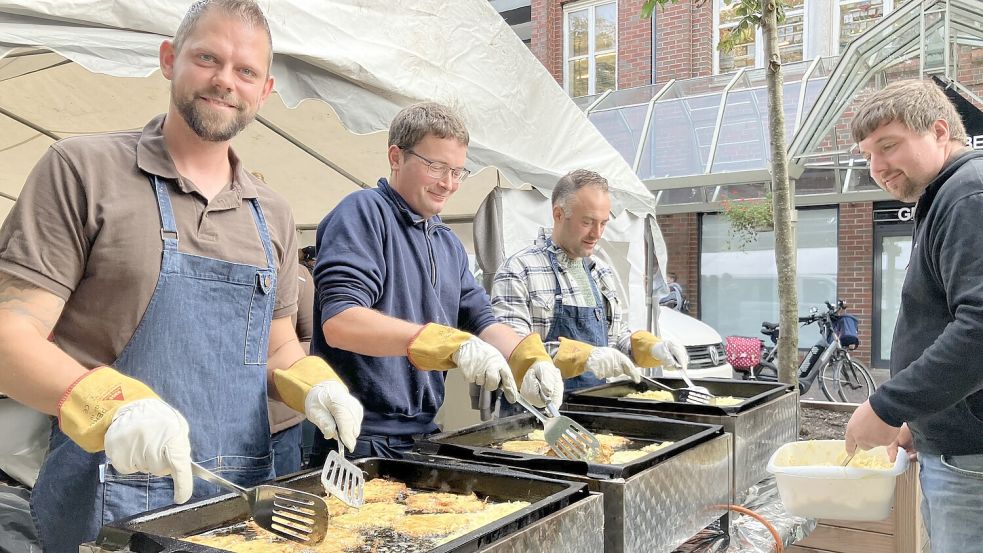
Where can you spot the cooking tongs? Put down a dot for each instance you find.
(686, 395)
(695, 394)
(291, 514)
(568, 438)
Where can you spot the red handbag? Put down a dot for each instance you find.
(743, 353)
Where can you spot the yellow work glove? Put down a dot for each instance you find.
(140, 433)
(534, 369)
(311, 387)
(573, 358)
(88, 406)
(439, 347)
(433, 348)
(650, 351)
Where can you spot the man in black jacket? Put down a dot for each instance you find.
(915, 142)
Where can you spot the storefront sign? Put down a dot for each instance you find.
(901, 214)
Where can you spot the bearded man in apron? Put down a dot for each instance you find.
(163, 273)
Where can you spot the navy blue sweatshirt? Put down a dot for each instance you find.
(937, 352)
(374, 252)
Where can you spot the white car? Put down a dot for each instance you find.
(707, 353)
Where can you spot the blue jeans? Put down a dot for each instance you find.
(286, 450)
(952, 501)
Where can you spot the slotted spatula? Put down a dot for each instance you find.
(686, 395)
(565, 436)
(695, 394)
(342, 479)
(291, 514)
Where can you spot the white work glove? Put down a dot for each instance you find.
(673, 355)
(482, 364)
(607, 362)
(542, 380)
(148, 435)
(335, 412)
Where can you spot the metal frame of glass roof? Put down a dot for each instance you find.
(697, 141)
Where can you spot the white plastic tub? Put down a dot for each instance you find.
(812, 485)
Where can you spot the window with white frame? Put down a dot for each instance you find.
(791, 32)
(749, 49)
(743, 54)
(811, 28)
(590, 47)
(856, 16)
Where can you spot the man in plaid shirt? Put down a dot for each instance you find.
(558, 289)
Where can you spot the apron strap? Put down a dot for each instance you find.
(168, 225)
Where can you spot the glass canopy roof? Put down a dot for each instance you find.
(697, 141)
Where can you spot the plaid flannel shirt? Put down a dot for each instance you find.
(524, 288)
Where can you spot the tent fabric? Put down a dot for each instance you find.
(355, 56)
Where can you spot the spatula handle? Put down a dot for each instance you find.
(658, 384)
(529, 407)
(209, 476)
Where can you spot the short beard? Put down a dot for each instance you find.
(207, 129)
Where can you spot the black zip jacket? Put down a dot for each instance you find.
(937, 352)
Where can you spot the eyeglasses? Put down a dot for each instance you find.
(439, 170)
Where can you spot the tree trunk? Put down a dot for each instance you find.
(788, 302)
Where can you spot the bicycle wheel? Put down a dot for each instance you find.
(844, 380)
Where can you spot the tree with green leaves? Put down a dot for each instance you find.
(766, 14)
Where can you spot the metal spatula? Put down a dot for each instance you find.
(676, 393)
(342, 479)
(695, 394)
(565, 436)
(687, 395)
(291, 514)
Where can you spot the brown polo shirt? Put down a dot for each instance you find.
(86, 227)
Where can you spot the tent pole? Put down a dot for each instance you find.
(286, 136)
(29, 124)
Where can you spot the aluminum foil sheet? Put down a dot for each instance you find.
(747, 535)
(578, 528)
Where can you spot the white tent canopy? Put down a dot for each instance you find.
(70, 67)
(364, 59)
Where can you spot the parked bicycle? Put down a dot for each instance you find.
(841, 378)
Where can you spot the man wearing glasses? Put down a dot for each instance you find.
(397, 303)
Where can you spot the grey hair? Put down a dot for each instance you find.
(914, 103)
(246, 10)
(413, 123)
(569, 184)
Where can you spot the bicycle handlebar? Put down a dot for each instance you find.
(840, 304)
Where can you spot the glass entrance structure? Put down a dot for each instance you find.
(699, 141)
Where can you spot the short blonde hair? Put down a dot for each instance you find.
(246, 10)
(414, 123)
(915, 104)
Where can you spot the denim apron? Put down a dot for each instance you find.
(201, 346)
(586, 324)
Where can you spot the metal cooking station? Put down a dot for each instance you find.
(562, 514)
(651, 504)
(766, 419)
